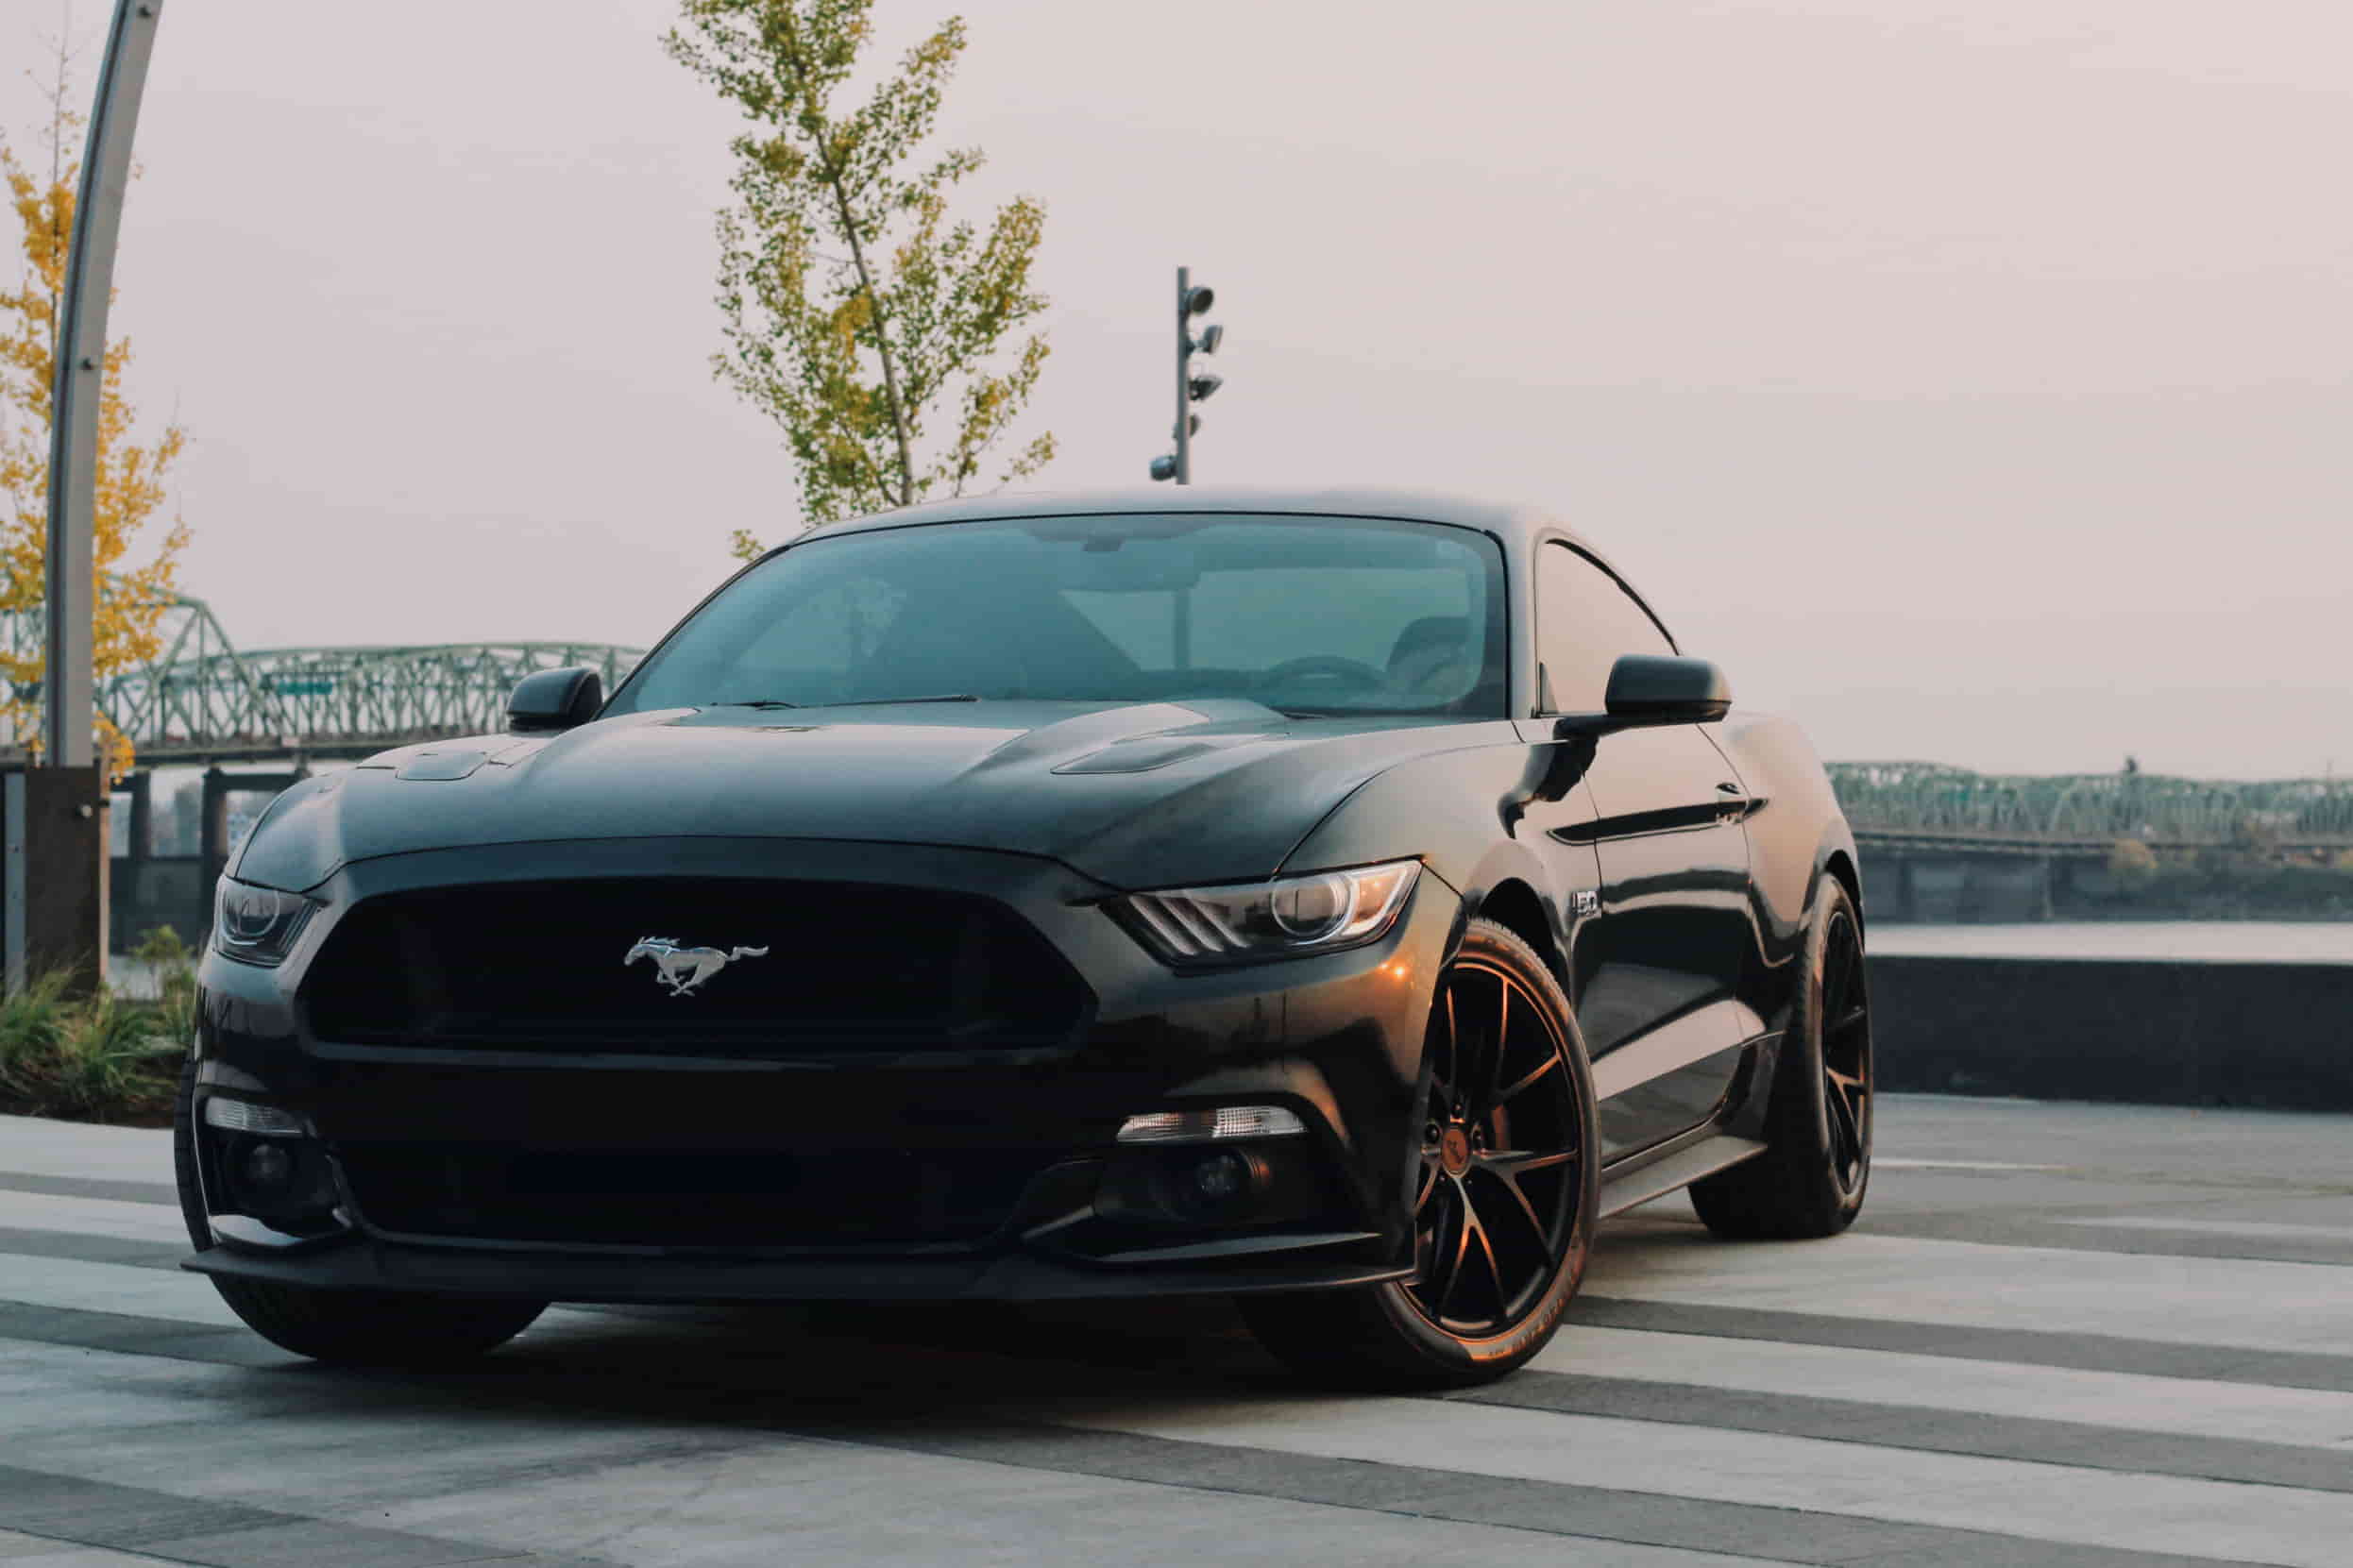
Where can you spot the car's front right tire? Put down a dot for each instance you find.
(1504, 1201)
(348, 1327)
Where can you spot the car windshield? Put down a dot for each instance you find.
(1305, 614)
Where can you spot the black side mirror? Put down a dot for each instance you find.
(1647, 690)
(551, 699)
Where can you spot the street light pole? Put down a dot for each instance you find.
(52, 817)
(68, 685)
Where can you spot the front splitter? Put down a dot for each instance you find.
(575, 1278)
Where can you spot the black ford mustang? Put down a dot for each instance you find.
(1339, 900)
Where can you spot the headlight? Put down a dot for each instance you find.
(1271, 920)
(257, 925)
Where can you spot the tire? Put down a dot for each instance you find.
(347, 1327)
(1811, 1179)
(1514, 1168)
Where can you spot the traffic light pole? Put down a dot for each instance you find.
(1191, 389)
(1184, 375)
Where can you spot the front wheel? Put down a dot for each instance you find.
(376, 1327)
(1504, 1197)
(350, 1328)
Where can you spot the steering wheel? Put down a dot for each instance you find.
(1355, 672)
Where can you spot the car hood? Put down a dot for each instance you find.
(1134, 795)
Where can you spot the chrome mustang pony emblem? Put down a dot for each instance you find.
(684, 969)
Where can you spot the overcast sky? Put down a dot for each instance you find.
(1969, 379)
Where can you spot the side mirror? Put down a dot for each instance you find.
(1648, 690)
(551, 699)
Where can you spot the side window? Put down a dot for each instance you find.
(1585, 621)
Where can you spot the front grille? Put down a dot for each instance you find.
(849, 969)
(688, 1197)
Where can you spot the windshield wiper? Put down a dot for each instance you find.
(865, 703)
(884, 702)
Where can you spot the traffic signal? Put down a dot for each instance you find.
(1193, 299)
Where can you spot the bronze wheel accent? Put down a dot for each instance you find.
(1501, 1155)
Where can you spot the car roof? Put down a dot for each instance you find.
(1410, 505)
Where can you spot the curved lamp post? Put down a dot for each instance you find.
(53, 893)
(67, 693)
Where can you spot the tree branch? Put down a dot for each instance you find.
(833, 176)
(882, 337)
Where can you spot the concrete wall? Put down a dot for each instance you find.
(1943, 888)
(2279, 1036)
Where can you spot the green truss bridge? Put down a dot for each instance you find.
(203, 701)
(1928, 805)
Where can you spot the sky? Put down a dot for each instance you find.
(1969, 380)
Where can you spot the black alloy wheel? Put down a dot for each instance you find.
(1811, 1178)
(1846, 1052)
(1503, 1197)
(1502, 1154)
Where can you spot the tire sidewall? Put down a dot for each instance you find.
(1809, 1110)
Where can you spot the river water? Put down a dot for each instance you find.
(2190, 941)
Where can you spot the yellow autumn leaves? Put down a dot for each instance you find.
(132, 595)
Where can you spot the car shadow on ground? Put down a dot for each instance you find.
(847, 1366)
(833, 1369)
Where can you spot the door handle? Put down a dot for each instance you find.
(1730, 788)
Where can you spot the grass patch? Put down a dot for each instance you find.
(99, 1058)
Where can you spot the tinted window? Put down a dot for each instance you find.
(1308, 615)
(1585, 621)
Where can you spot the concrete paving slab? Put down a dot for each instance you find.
(2185, 1407)
(2007, 1364)
(2056, 1503)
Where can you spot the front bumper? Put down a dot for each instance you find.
(1337, 1038)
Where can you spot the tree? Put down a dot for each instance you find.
(854, 309)
(132, 598)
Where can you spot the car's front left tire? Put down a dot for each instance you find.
(348, 1327)
(1504, 1200)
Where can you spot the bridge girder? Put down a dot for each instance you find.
(202, 700)
(1899, 798)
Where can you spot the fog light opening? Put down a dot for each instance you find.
(1228, 1182)
(267, 1168)
(1211, 1126)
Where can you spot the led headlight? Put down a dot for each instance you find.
(257, 925)
(1271, 920)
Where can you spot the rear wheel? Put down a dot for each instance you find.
(1504, 1196)
(352, 1328)
(1810, 1180)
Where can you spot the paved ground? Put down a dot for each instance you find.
(2063, 1336)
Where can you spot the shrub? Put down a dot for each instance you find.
(100, 1058)
(32, 1021)
(176, 976)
